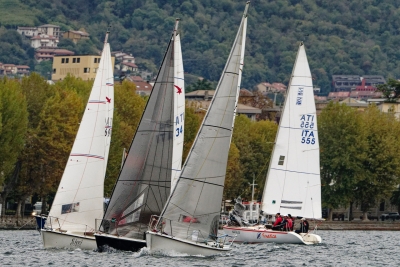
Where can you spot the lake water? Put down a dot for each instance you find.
(339, 248)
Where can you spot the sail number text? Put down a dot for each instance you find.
(307, 123)
(179, 124)
(108, 127)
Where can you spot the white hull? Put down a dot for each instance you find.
(55, 239)
(164, 243)
(258, 234)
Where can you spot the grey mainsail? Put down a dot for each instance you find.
(192, 211)
(144, 182)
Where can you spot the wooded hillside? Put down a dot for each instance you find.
(341, 37)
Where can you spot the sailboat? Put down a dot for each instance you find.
(189, 221)
(293, 183)
(79, 198)
(153, 161)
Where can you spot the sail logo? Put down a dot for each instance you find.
(299, 98)
(179, 124)
(179, 89)
(265, 235)
(258, 235)
(307, 123)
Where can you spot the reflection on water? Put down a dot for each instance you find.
(344, 248)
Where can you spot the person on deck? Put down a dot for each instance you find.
(291, 218)
(278, 221)
(286, 224)
(304, 225)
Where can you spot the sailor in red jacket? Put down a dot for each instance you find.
(278, 221)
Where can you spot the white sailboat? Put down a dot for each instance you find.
(189, 221)
(153, 161)
(293, 184)
(79, 198)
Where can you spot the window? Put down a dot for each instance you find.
(95, 70)
(97, 60)
(63, 60)
(78, 60)
(74, 60)
(66, 60)
(54, 70)
(281, 160)
(86, 70)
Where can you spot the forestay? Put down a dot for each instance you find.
(79, 198)
(193, 209)
(144, 182)
(293, 182)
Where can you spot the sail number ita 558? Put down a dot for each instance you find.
(307, 123)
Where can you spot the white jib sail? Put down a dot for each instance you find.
(192, 211)
(179, 110)
(293, 184)
(79, 198)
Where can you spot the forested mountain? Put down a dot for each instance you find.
(341, 37)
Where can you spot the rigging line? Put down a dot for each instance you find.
(204, 182)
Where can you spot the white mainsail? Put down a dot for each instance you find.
(179, 109)
(293, 184)
(79, 198)
(193, 208)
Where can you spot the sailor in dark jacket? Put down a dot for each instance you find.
(303, 226)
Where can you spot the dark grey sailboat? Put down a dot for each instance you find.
(144, 182)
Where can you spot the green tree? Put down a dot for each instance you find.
(201, 84)
(390, 90)
(13, 127)
(380, 172)
(341, 154)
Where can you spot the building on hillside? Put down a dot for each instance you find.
(48, 53)
(76, 36)
(50, 29)
(266, 87)
(23, 70)
(385, 106)
(201, 100)
(345, 83)
(348, 83)
(128, 67)
(47, 29)
(84, 67)
(364, 95)
(338, 95)
(143, 88)
(199, 95)
(9, 69)
(136, 79)
(44, 41)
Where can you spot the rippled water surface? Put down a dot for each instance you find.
(339, 248)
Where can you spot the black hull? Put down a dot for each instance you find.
(119, 243)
